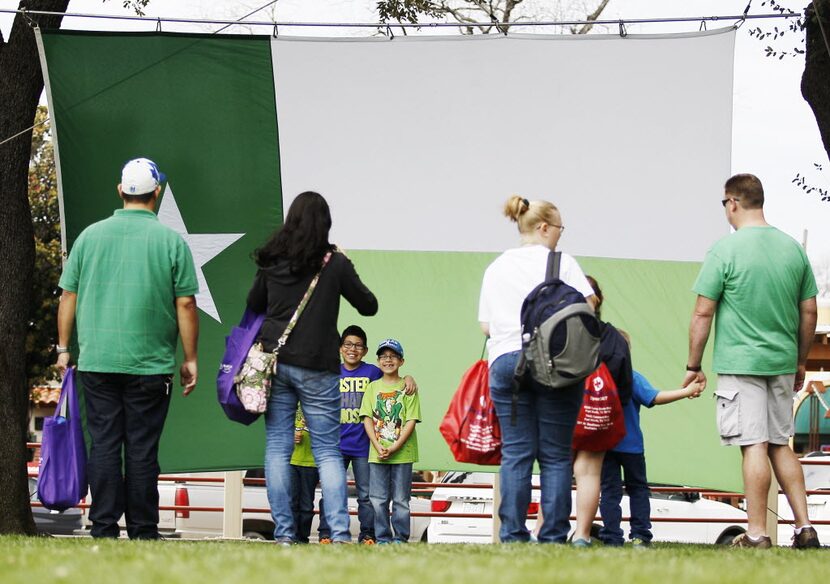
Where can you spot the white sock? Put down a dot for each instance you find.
(798, 530)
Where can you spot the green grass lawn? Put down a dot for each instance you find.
(46, 560)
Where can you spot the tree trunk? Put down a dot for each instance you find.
(21, 84)
(815, 82)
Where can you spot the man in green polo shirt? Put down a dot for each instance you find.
(129, 283)
(760, 285)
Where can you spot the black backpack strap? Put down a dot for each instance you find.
(554, 261)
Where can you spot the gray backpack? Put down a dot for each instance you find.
(560, 334)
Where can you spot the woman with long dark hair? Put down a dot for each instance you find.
(309, 363)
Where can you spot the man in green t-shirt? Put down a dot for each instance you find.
(129, 284)
(389, 416)
(759, 283)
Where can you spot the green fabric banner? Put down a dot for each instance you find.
(202, 108)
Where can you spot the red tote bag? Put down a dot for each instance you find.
(601, 424)
(470, 425)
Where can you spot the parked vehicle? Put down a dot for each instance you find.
(480, 500)
(255, 525)
(53, 522)
(816, 478)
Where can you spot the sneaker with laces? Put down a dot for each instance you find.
(367, 541)
(744, 541)
(324, 540)
(807, 539)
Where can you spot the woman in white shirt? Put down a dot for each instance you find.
(545, 419)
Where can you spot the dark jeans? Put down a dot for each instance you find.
(636, 486)
(125, 413)
(304, 481)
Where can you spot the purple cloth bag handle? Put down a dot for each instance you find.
(237, 344)
(62, 475)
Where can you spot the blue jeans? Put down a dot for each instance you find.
(125, 413)
(391, 482)
(636, 485)
(365, 513)
(543, 431)
(319, 394)
(304, 481)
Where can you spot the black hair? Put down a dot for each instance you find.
(303, 239)
(141, 199)
(353, 331)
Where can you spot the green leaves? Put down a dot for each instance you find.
(41, 332)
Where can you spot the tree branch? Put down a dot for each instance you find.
(586, 28)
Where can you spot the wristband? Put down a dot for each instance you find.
(693, 369)
(59, 350)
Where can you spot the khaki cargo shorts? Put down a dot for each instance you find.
(752, 409)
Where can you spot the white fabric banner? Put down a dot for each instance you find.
(418, 142)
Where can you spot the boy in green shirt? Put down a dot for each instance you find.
(389, 416)
(304, 479)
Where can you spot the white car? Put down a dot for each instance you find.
(452, 500)
(255, 524)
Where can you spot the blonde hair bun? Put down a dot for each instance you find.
(515, 207)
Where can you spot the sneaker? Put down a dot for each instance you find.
(808, 538)
(581, 543)
(341, 542)
(284, 541)
(640, 543)
(367, 541)
(324, 541)
(744, 541)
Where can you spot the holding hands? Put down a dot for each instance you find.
(695, 377)
(694, 389)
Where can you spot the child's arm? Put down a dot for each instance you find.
(410, 387)
(691, 391)
(406, 432)
(369, 426)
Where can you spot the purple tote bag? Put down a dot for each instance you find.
(62, 477)
(237, 344)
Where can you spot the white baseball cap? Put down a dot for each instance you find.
(141, 176)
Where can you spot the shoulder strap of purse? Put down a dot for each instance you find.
(554, 260)
(296, 316)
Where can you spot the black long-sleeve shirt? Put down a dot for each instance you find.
(614, 352)
(315, 340)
